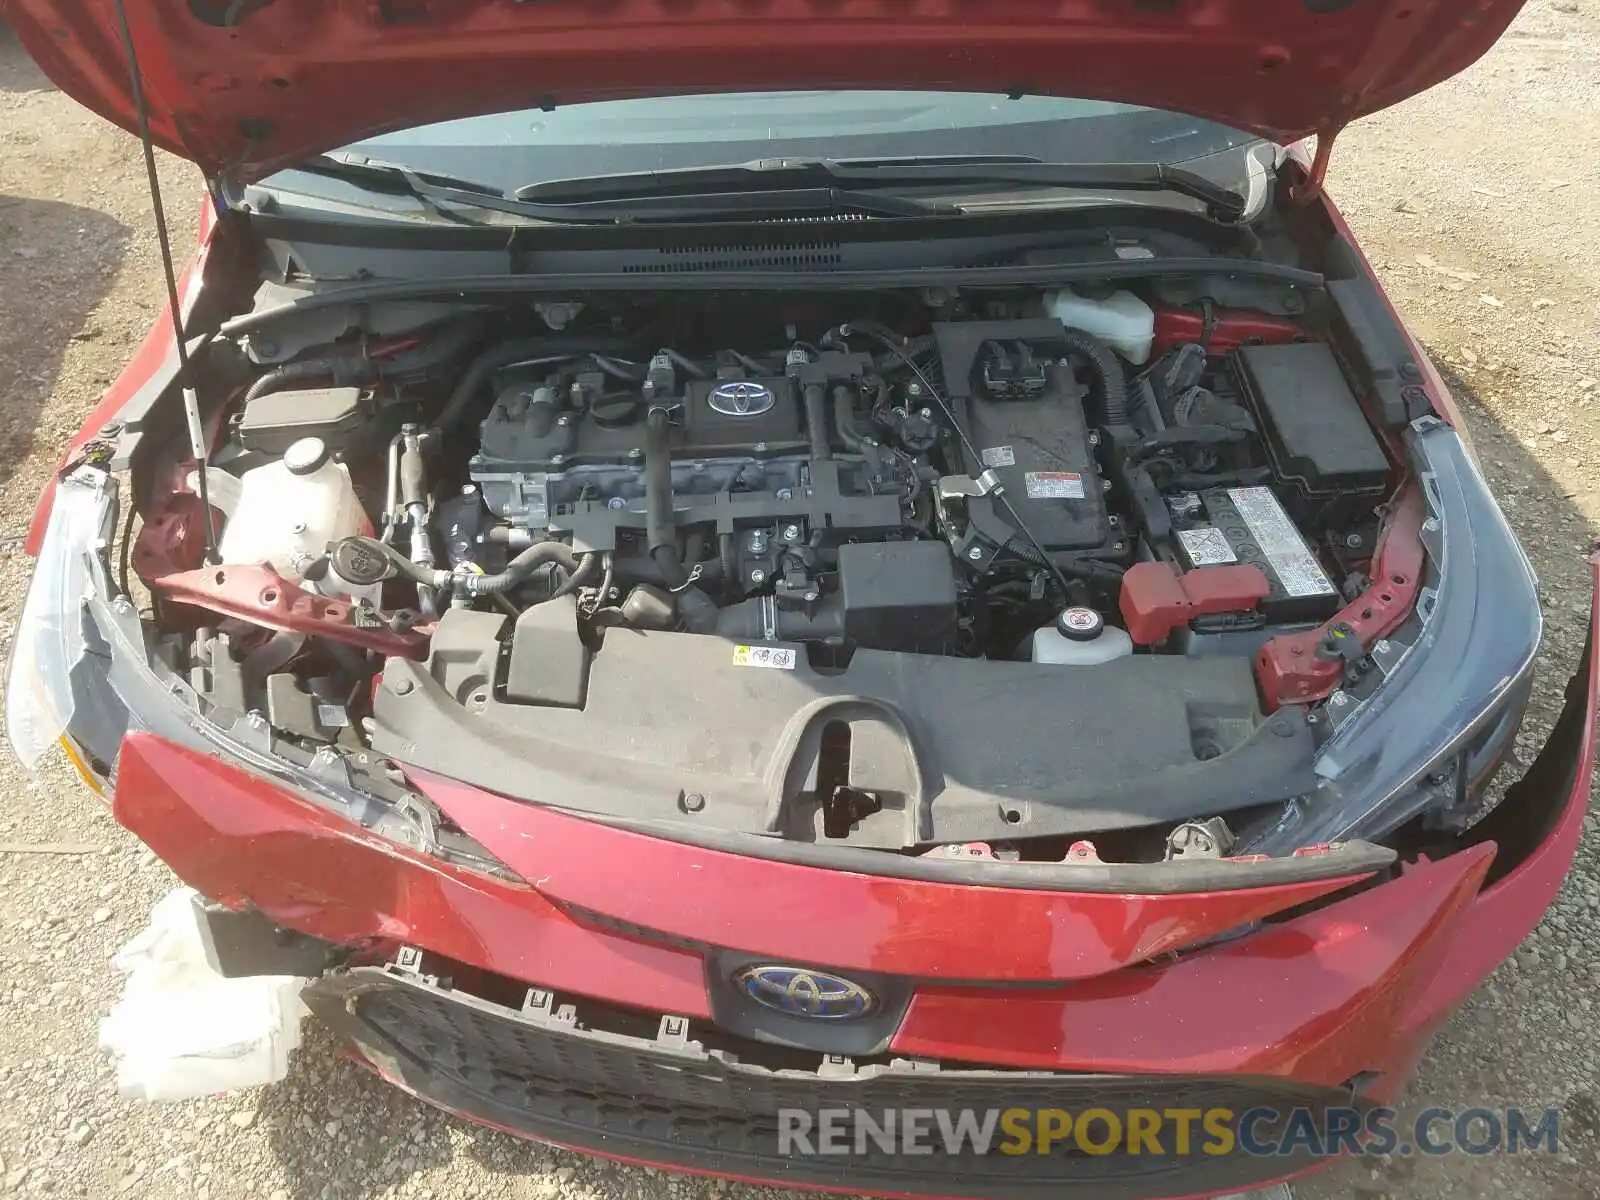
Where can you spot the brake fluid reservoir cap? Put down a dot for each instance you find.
(305, 456)
(1080, 623)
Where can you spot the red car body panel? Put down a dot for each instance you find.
(246, 86)
(841, 919)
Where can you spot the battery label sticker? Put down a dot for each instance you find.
(999, 456)
(1054, 485)
(777, 657)
(1206, 546)
(1281, 542)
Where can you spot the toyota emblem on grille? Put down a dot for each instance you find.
(797, 992)
(741, 398)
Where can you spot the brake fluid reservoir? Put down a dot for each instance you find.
(288, 511)
(1123, 321)
(1080, 637)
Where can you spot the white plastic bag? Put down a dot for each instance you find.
(181, 1030)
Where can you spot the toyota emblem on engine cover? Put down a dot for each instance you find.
(742, 398)
(798, 992)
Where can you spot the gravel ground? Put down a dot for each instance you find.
(1478, 203)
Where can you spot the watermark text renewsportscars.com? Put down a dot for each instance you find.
(1258, 1132)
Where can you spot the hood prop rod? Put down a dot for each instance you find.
(191, 398)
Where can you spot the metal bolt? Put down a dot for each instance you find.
(757, 542)
(402, 687)
(255, 720)
(975, 553)
(924, 412)
(693, 802)
(298, 527)
(1353, 540)
(759, 448)
(1105, 485)
(635, 454)
(791, 533)
(557, 459)
(811, 596)
(469, 489)
(1339, 699)
(757, 575)
(615, 503)
(914, 389)
(1118, 547)
(564, 420)
(785, 493)
(1094, 438)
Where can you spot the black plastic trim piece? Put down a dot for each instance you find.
(466, 286)
(675, 1101)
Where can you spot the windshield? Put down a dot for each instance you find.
(514, 149)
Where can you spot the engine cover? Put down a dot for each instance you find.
(732, 415)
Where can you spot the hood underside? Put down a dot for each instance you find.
(246, 86)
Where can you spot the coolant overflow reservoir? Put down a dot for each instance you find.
(291, 509)
(1080, 637)
(1123, 321)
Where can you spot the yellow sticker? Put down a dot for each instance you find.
(781, 658)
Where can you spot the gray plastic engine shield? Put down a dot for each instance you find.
(957, 749)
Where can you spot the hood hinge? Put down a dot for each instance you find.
(1309, 190)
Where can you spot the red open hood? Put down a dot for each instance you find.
(245, 86)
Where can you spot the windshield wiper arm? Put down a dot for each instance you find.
(1221, 203)
(437, 191)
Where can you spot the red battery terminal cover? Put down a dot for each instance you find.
(1157, 598)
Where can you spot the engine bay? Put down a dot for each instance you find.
(492, 506)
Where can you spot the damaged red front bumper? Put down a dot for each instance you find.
(1345, 996)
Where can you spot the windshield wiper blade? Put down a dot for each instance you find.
(1221, 203)
(437, 191)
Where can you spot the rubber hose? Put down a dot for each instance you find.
(844, 420)
(744, 620)
(661, 527)
(520, 568)
(342, 370)
(816, 398)
(586, 568)
(1105, 364)
(355, 368)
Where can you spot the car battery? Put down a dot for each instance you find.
(1222, 526)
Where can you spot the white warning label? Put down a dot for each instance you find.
(1280, 542)
(1206, 546)
(780, 658)
(999, 456)
(1054, 485)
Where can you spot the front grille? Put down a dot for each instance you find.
(540, 1072)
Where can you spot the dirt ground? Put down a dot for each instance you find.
(1479, 203)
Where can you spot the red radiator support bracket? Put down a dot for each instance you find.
(262, 596)
(1289, 669)
(1156, 599)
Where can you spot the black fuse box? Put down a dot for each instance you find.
(1317, 439)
